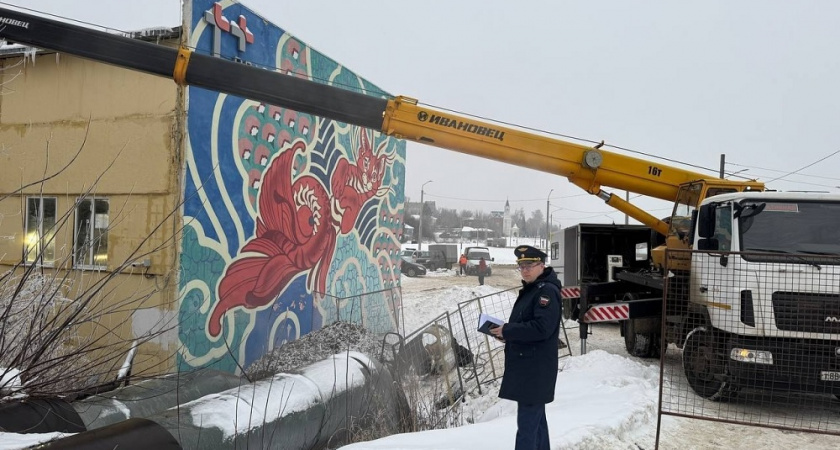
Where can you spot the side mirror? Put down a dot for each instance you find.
(706, 221)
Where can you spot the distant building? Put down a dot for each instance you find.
(507, 220)
(413, 208)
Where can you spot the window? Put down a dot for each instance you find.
(774, 229)
(687, 196)
(40, 230)
(90, 248)
(723, 227)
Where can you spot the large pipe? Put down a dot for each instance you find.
(315, 409)
(152, 396)
(132, 434)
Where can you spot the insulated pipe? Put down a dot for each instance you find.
(40, 415)
(314, 409)
(132, 434)
(152, 396)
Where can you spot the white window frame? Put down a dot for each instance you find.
(40, 238)
(91, 225)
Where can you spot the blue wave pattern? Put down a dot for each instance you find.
(232, 142)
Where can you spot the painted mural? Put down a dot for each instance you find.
(291, 221)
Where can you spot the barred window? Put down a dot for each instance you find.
(39, 245)
(90, 247)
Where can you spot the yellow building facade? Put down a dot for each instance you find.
(205, 229)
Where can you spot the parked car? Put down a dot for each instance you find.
(422, 258)
(411, 269)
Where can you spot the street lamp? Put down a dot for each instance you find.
(547, 225)
(420, 227)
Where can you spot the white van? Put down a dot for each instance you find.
(474, 254)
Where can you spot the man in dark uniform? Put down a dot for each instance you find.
(530, 337)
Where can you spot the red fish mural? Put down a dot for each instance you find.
(297, 225)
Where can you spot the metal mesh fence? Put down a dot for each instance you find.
(447, 357)
(442, 360)
(378, 311)
(756, 340)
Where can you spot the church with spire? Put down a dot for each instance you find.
(507, 219)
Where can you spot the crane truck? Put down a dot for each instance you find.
(749, 286)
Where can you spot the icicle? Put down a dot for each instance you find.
(29, 53)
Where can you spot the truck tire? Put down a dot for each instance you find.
(706, 366)
(567, 308)
(640, 345)
(570, 308)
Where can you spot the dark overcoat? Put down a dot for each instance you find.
(531, 342)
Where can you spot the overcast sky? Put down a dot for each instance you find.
(688, 81)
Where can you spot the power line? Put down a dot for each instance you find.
(443, 197)
(782, 171)
(803, 168)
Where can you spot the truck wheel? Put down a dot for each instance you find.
(640, 345)
(567, 308)
(705, 366)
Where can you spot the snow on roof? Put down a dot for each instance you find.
(145, 34)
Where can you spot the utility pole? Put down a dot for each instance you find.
(420, 226)
(547, 225)
(627, 199)
(722, 163)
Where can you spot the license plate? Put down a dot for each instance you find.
(829, 376)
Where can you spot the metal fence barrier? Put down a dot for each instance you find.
(758, 340)
(448, 357)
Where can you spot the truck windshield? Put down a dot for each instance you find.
(778, 228)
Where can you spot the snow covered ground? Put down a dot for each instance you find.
(619, 395)
(500, 255)
(603, 400)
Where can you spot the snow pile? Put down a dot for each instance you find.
(10, 383)
(601, 401)
(251, 405)
(419, 308)
(13, 441)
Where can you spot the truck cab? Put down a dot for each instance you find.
(764, 291)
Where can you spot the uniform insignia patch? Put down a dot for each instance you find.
(544, 301)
